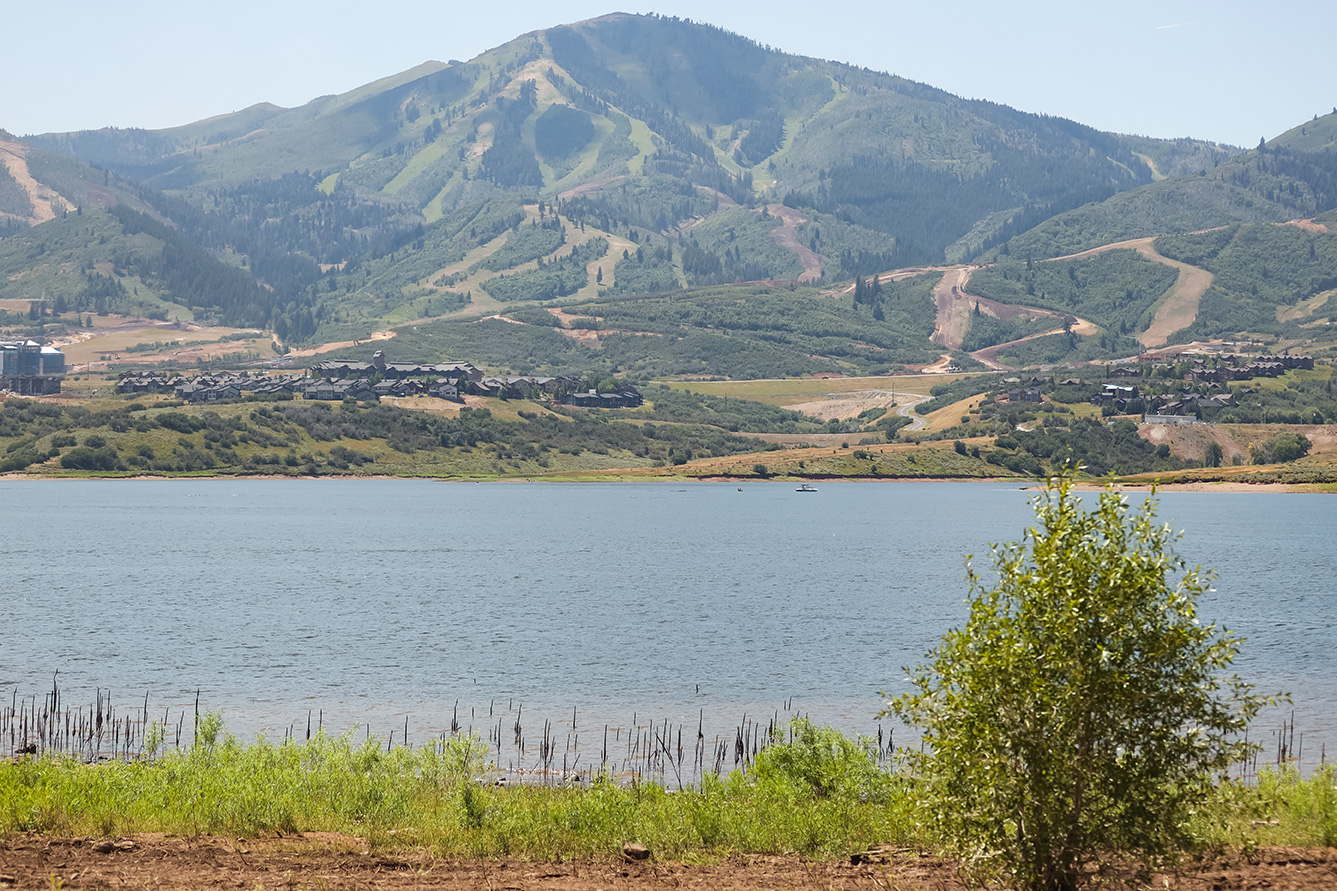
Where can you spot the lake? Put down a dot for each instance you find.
(364, 602)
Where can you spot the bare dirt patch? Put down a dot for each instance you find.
(1307, 225)
(430, 404)
(954, 307)
(113, 337)
(1178, 308)
(342, 344)
(839, 406)
(590, 336)
(1132, 244)
(328, 860)
(567, 318)
(786, 236)
(1191, 440)
(940, 367)
(46, 202)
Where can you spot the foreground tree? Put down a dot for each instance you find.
(1083, 711)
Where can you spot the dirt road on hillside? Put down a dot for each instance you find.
(954, 308)
(331, 347)
(1178, 307)
(786, 236)
(989, 355)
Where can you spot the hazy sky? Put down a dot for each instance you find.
(1224, 70)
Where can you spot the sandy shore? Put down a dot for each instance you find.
(615, 476)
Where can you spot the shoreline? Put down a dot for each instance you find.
(1092, 485)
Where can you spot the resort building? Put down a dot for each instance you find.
(29, 369)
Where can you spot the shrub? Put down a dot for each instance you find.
(1282, 448)
(84, 458)
(179, 421)
(825, 764)
(1082, 712)
(18, 460)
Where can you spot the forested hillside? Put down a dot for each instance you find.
(1272, 183)
(667, 179)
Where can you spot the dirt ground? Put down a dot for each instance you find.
(327, 861)
(1191, 440)
(785, 236)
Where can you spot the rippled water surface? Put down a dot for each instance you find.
(370, 600)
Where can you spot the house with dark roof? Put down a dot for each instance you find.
(625, 398)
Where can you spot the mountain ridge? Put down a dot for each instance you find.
(692, 156)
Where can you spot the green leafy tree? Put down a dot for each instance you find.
(1281, 448)
(1083, 711)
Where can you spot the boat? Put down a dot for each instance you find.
(805, 488)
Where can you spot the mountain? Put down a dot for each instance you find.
(608, 160)
(669, 101)
(1292, 176)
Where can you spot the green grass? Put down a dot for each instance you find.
(819, 795)
(644, 141)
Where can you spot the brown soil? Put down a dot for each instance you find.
(1191, 440)
(343, 344)
(894, 275)
(46, 202)
(956, 307)
(953, 308)
(785, 235)
(1307, 225)
(589, 337)
(939, 367)
(113, 335)
(323, 860)
(1179, 308)
(848, 405)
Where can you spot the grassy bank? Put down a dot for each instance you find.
(820, 795)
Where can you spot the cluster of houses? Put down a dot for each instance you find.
(1121, 393)
(1242, 368)
(206, 387)
(1216, 369)
(1188, 400)
(1185, 401)
(370, 381)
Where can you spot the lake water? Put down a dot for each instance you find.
(370, 601)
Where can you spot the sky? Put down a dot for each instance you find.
(1227, 71)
